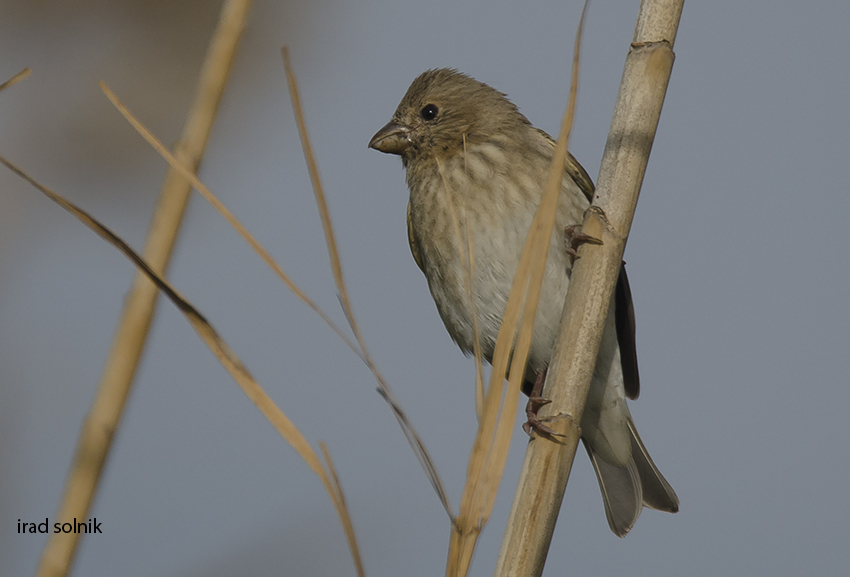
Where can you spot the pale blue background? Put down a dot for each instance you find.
(738, 259)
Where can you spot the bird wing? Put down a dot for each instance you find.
(574, 169)
(580, 176)
(624, 320)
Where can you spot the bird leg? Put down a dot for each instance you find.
(535, 401)
(575, 238)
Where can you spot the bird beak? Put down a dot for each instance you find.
(392, 138)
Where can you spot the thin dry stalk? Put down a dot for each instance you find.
(384, 390)
(15, 79)
(492, 442)
(339, 502)
(225, 213)
(547, 464)
(228, 360)
(358, 348)
(105, 414)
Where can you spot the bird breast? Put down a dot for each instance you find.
(469, 217)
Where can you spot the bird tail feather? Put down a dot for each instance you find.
(627, 488)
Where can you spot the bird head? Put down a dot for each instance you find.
(439, 110)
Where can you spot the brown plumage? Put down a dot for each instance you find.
(476, 169)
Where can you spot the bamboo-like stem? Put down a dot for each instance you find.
(104, 416)
(547, 464)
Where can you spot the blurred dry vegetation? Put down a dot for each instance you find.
(150, 49)
(162, 47)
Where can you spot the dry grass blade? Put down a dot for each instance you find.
(327, 227)
(342, 509)
(128, 342)
(384, 390)
(224, 212)
(492, 442)
(485, 455)
(15, 79)
(225, 356)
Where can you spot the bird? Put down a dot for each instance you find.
(476, 169)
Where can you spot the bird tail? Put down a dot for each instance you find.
(627, 488)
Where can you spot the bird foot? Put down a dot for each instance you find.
(535, 424)
(575, 238)
(535, 402)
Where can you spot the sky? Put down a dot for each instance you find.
(737, 259)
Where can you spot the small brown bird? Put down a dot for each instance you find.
(476, 169)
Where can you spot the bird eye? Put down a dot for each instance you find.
(429, 112)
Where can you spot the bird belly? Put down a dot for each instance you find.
(468, 289)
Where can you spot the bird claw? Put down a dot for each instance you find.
(535, 401)
(535, 424)
(575, 238)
